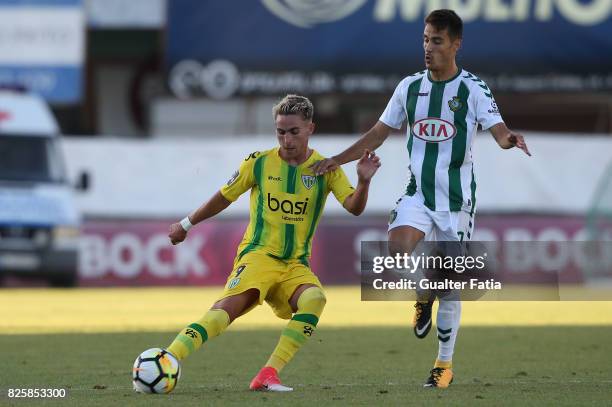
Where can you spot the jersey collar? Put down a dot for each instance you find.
(308, 160)
(459, 70)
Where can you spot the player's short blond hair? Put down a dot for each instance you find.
(294, 104)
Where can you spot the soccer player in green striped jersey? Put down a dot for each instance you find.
(443, 106)
(271, 263)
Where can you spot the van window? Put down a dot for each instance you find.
(30, 158)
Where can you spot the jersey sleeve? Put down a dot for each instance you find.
(487, 112)
(394, 114)
(242, 180)
(339, 185)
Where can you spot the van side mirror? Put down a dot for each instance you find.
(83, 182)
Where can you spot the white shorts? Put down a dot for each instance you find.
(437, 225)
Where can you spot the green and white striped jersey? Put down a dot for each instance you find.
(443, 117)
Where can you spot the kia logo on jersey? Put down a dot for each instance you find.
(433, 130)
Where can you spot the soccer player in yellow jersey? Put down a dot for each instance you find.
(271, 263)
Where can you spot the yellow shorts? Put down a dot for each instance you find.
(275, 279)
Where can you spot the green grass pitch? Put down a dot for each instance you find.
(536, 365)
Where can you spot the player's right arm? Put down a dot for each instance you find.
(370, 141)
(392, 118)
(209, 209)
(240, 182)
(367, 166)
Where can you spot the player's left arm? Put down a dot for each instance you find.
(507, 138)
(367, 166)
(489, 118)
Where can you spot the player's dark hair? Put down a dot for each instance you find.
(446, 19)
(294, 104)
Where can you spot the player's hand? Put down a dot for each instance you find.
(367, 166)
(517, 140)
(177, 233)
(323, 166)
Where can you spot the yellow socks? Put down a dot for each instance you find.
(301, 327)
(192, 337)
(298, 330)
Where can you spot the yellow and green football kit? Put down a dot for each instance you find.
(286, 203)
(285, 208)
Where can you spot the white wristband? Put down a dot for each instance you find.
(186, 224)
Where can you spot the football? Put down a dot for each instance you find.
(155, 371)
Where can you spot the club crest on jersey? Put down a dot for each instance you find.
(233, 283)
(308, 180)
(455, 104)
(433, 130)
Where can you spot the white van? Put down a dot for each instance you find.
(39, 223)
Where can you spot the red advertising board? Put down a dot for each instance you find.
(139, 252)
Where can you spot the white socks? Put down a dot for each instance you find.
(447, 322)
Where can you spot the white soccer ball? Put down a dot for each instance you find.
(155, 371)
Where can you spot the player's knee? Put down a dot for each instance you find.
(403, 239)
(216, 319)
(313, 299)
(319, 297)
(396, 247)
